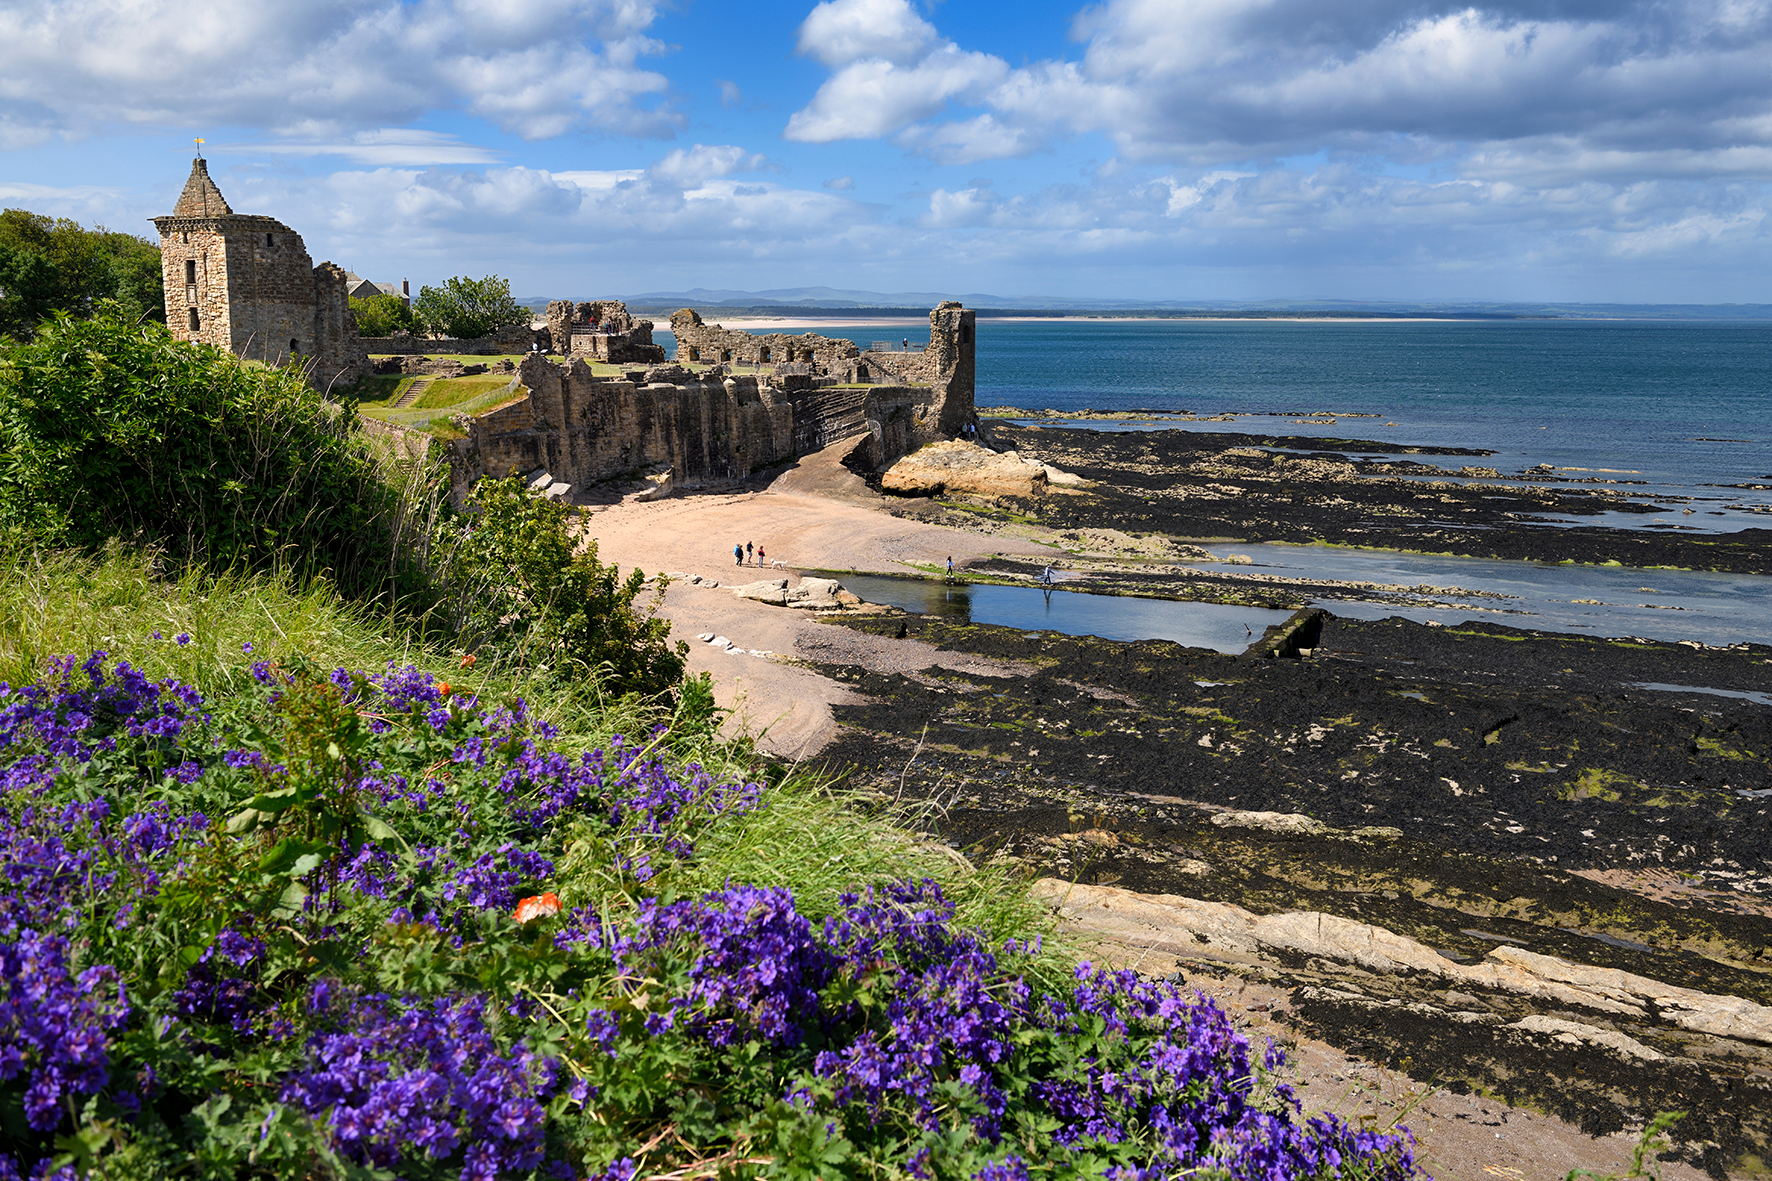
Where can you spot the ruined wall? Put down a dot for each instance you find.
(507, 341)
(246, 284)
(601, 330)
(584, 429)
(698, 341)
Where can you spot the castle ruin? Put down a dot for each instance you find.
(245, 283)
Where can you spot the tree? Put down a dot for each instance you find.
(467, 308)
(88, 266)
(28, 286)
(382, 315)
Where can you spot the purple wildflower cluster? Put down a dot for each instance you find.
(885, 1026)
(407, 1078)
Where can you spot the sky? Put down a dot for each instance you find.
(1417, 150)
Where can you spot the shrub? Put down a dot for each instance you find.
(468, 308)
(382, 315)
(516, 584)
(109, 428)
(74, 269)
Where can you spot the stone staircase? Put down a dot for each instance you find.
(831, 415)
(418, 386)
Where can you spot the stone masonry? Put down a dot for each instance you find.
(711, 426)
(245, 283)
(601, 330)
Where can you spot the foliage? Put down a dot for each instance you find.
(468, 308)
(382, 315)
(1650, 1144)
(516, 584)
(482, 957)
(110, 428)
(56, 264)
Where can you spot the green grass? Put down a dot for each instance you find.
(814, 837)
(444, 397)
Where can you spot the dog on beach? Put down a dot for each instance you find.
(777, 564)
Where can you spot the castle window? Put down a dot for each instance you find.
(196, 325)
(725, 354)
(294, 347)
(765, 355)
(185, 236)
(965, 334)
(190, 272)
(270, 240)
(694, 353)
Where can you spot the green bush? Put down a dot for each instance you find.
(515, 584)
(468, 308)
(57, 264)
(109, 429)
(382, 315)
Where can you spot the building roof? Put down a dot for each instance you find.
(201, 198)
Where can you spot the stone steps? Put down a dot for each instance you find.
(418, 386)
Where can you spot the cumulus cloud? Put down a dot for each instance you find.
(1677, 88)
(538, 69)
(689, 168)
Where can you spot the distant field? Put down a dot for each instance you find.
(443, 397)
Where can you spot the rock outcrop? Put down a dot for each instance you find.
(965, 469)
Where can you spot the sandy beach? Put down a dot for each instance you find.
(817, 516)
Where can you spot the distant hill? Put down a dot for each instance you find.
(791, 301)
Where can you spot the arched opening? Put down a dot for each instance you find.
(806, 356)
(861, 373)
(965, 334)
(725, 354)
(195, 325)
(294, 347)
(763, 355)
(694, 353)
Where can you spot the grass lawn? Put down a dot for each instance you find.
(443, 397)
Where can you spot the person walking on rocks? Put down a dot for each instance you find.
(738, 555)
(950, 565)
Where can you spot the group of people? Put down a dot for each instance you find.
(741, 554)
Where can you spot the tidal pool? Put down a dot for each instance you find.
(1111, 617)
(1592, 600)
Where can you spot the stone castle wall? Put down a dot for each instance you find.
(246, 284)
(584, 429)
(517, 338)
(601, 330)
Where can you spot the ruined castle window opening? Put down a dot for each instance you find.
(184, 236)
(725, 354)
(965, 334)
(694, 353)
(294, 347)
(764, 355)
(270, 239)
(196, 325)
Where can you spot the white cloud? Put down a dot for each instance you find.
(391, 146)
(730, 93)
(688, 168)
(968, 207)
(1674, 88)
(841, 184)
(875, 97)
(838, 32)
(326, 67)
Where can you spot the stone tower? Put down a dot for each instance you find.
(246, 284)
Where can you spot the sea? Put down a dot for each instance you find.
(1667, 409)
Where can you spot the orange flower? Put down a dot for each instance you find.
(468, 660)
(443, 688)
(537, 906)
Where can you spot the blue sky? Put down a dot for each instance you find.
(1531, 150)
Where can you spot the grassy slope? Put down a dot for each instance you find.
(812, 838)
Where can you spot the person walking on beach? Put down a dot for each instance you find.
(761, 558)
(950, 565)
(738, 555)
(747, 552)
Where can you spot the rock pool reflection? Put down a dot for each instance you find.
(1197, 625)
